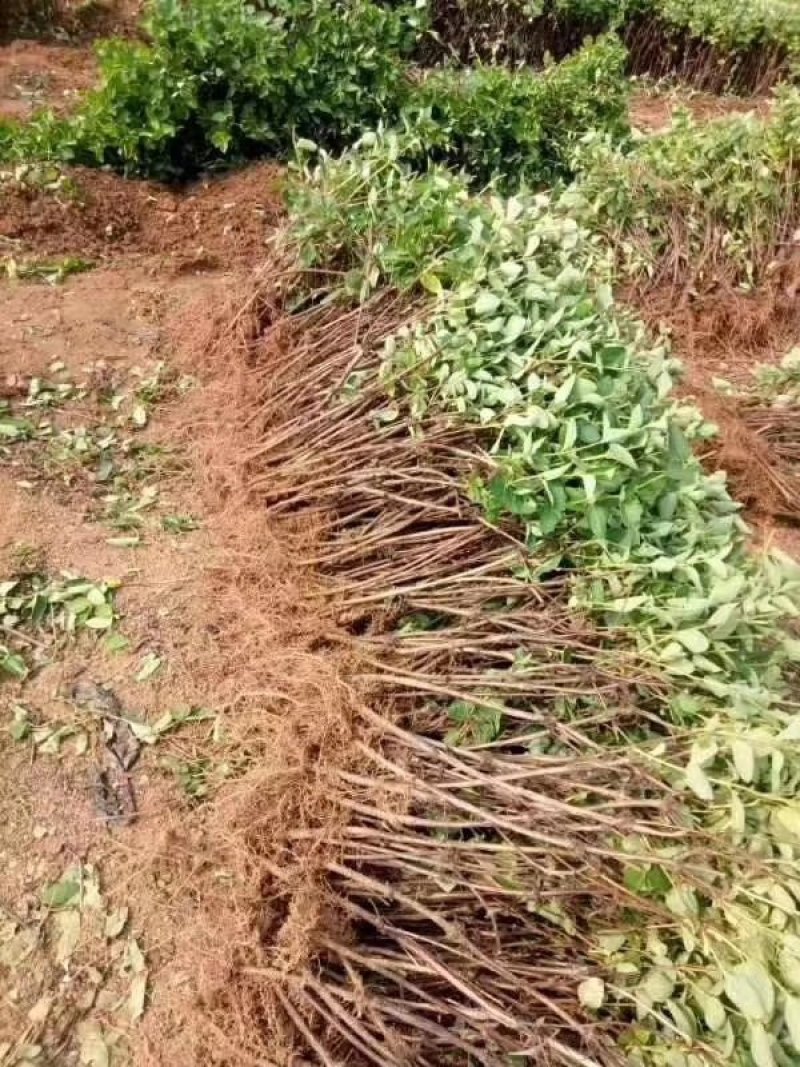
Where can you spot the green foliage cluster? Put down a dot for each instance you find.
(724, 190)
(35, 603)
(734, 25)
(592, 457)
(489, 122)
(494, 121)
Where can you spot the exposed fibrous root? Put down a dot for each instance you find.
(458, 872)
(453, 878)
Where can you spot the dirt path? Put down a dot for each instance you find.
(112, 470)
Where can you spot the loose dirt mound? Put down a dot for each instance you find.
(34, 75)
(217, 222)
(727, 334)
(654, 111)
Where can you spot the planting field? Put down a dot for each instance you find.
(399, 555)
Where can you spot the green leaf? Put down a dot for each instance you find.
(13, 665)
(658, 986)
(787, 823)
(750, 988)
(430, 282)
(64, 894)
(116, 643)
(486, 304)
(683, 1019)
(714, 1012)
(622, 455)
(693, 640)
(515, 326)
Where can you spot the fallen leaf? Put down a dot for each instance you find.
(40, 1010)
(93, 1047)
(135, 957)
(136, 997)
(63, 894)
(68, 924)
(150, 664)
(591, 993)
(115, 922)
(139, 416)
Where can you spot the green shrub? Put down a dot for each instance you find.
(363, 214)
(496, 122)
(224, 81)
(221, 79)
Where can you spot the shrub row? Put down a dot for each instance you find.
(493, 122)
(221, 79)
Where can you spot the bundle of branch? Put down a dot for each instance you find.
(780, 427)
(457, 878)
(493, 30)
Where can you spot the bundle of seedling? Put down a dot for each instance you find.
(740, 45)
(701, 203)
(567, 829)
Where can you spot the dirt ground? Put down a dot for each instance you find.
(112, 976)
(35, 74)
(653, 108)
(219, 221)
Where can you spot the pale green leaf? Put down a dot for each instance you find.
(791, 1016)
(744, 759)
(591, 993)
(693, 640)
(514, 327)
(622, 455)
(761, 1046)
(714, 1012)
(750, 988)
(698, 782)
(486, 304)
